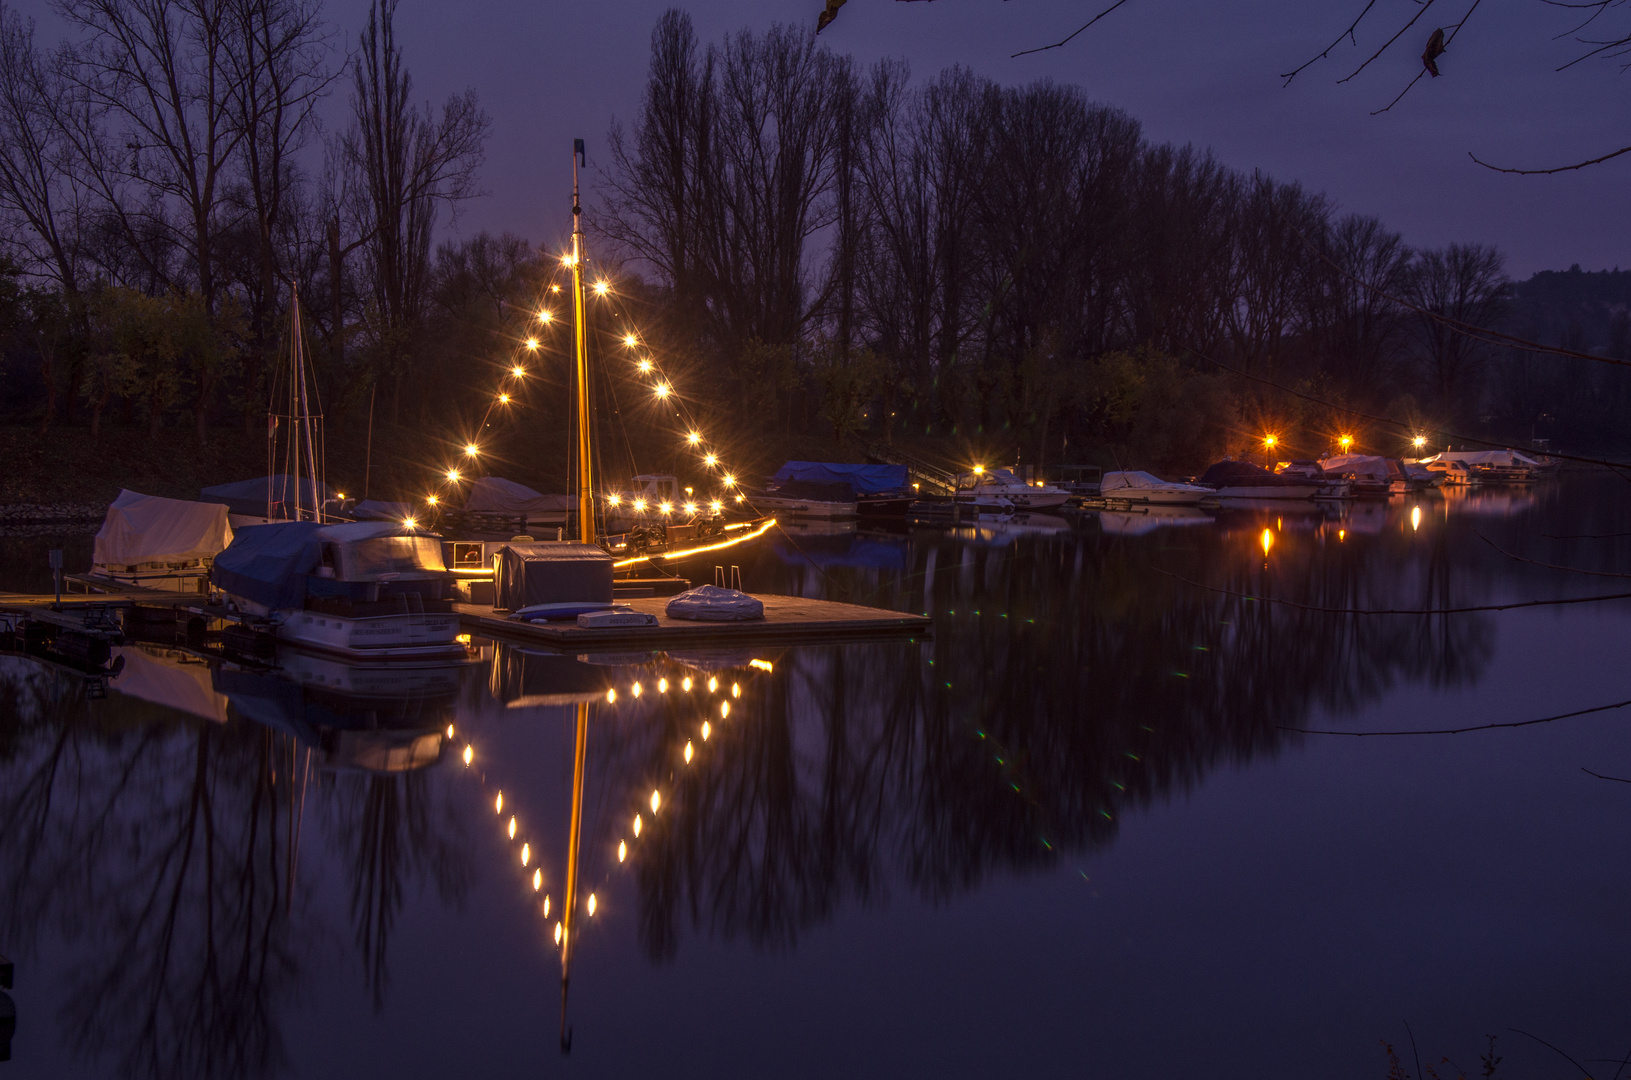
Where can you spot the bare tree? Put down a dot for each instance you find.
(1466, 283)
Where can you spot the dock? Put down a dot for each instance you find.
(789, 620)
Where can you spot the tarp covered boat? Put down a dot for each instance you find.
(495, 495)
(865, 479)
(145, 537)
(271, 497)
(1144, 487)
(1243, 480)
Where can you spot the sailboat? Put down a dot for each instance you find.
(363, 590)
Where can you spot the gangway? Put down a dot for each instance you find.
(930, 479)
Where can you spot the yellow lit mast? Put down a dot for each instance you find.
(580, 341)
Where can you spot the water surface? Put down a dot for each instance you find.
(1092, 826)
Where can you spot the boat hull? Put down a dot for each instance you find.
(1157, 496)
(804, 508)
(1018, 497)
(1269, 491)
(412, 636)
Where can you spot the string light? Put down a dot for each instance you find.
(640, 506)
(512, 828)
(729, 480)
(546, 912)
(690, 508)
(453, 475)
(498, 804)
(666, 507)
(662, 686)
(711, 460)
(622, 850)
(537, 880)
(635, 689)
(518, 371)
(713, 684)
(532, 344)
(656, 800)
(724, 710)
(688, 751)
(706, 729)
(431, 499)
(526, 854)
(628, 339)
(637, 824)
(614, 500)
(644, 366)
(716, 506)
(592, 904)
(611, 695)
(545, 316)
(557, 929)
(663, 390)
(602, 287)
(503, 399)
(694, 438)
(471, 449)
(736, 690)
(410, 522)
(762, 665)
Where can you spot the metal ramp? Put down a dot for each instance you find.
(931, 479)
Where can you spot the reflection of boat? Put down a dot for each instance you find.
(992, 528)
(1143, 487)
(362, 589)
(1489, 501)
(174, 678)
(1272, 506)
(817, 527)
(1148, 519)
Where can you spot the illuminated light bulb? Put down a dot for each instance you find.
(410, 522)
(472, 449)
(592, 904)
(979, 470)
(656, 800)
(453, 475)
(611, 695)
(716, 506)
(512, 827)
(628, 339)
(555, 288)
(545, 315)
(644, 366)
(1418, 442)
(450, 731)
(568, 260)
(685, 684)
(729, 481)
(713, 684)
(637, 824)
(724, 710)
(557, 929)
(762, 665)
(740, 498)
(640, 505)
(526, 854)
(1345, 441)
(469, 753)
(537, 880)
(1269, 441)
(635, 689)
(688, 752)
(1267, 540)
(662, 686)
(1342, 535)
(498, 804)
(663, 390)
(503, 399)
(518, 371)
(339, 495)
(666, 507)
(1415, 518)
(694, 438)
(622, 850)
(546, 907)
(532, 344)
(707, 730)
(711, 460)
(431, 499)
(690, 508)
(614, 500)
(736, 689)
(602, 288)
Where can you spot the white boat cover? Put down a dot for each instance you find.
(1131, 480)
(495, 495)
(1358, 464)
(710, 603)
(1484, 457)
(147, 529)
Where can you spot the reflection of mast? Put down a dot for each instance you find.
(580, 341)
(573, 846)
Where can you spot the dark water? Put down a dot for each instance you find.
(1077, 833)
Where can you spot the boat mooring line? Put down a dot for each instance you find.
(1398, 611)
(1462, 731)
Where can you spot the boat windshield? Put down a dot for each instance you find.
(373, 559)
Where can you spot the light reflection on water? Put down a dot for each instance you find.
(1073, 826)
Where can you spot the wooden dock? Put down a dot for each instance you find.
(789, 620)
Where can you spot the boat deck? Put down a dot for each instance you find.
(789, 620)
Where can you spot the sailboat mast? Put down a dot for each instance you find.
(304, 422)
(580, 324)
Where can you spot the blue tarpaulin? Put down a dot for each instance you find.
(268, 564)
(865, 479)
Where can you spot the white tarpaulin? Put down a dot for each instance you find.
(1483, 457)
(147, 529)
(710, 603)
(1358, 464)
(495, 495)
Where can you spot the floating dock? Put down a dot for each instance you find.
(789, 620)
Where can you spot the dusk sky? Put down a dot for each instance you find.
(1191, 70)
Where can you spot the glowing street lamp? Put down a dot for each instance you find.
(979, 470)
(1419, 441)
(1345, 441)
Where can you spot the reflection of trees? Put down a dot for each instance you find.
(1066, 684)
(154, 848)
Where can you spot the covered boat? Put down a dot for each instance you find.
(495, 496)
(880, 490)
(1002, 488)
(808, 499)
(270, 498)
(160, 543)
(360, 589)
(1243, 480)
(1147, 488)
(1492, 466)
(1370, 474)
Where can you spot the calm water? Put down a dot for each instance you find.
(1076, 833)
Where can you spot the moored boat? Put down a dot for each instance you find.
(1001, 487)
(1243, 480)
(1146, 488)
(159, 543)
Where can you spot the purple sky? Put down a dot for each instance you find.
(1199, 71)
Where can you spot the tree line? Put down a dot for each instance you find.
(821, 250)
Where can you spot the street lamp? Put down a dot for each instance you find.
(1345, 441)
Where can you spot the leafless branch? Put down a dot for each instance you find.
(1554, 169)
(1348, 33)
(1066, 40)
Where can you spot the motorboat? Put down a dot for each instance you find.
(363, 590)
(1493, 466)
(1146, 488)
(990, 486)
(158, 543)
(1243, 480)
(1451, 472)
(1331, 485)
(880, 490)
(807, 499)
(1368, 473)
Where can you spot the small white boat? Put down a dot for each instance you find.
(1002, 484)
(780, 505)
(1145, 488)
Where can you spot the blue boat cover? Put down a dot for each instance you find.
(268, 564)
(249, 497)
(865, 479)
